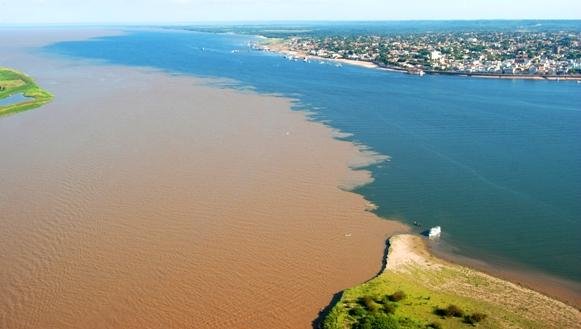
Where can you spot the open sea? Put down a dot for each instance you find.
(496, 163)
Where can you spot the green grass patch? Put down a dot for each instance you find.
(410, 304)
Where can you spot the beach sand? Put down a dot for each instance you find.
(566, 291)
(429, 283)
(280, 47)
(409, 253)
(138, 199)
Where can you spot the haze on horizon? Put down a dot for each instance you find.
(181, 11)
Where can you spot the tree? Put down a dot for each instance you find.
(397, 296)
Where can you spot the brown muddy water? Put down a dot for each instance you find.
(137, 199)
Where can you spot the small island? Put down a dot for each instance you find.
(418, 290)
(19, 92)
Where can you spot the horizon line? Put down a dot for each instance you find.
(244, 22)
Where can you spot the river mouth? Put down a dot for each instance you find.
(497, 168)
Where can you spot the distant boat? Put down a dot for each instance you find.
(421, 73)
(435, 232)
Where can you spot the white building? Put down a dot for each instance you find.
(435, 55)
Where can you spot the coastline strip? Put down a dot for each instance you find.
(429, 283)
(278, 46)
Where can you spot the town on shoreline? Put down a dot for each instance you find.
(510, 55)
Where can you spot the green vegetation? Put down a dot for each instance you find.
(13, 82)
(474, 318)
(450, 311)
(418, 290)
(376, 309)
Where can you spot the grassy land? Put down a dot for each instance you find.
(417, 290)
(13, 82)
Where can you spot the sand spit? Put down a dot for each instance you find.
(426, 284)
(409, 254)
(137, 199)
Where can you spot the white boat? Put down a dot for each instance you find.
(421, 73)
(435, 232)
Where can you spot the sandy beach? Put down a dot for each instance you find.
(281, 48)
(566, 291)
(138, 199)
(410, 252)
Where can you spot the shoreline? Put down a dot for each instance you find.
(276, 46)
(563, 290)
(411, 268)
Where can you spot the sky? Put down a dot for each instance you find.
(192, 11)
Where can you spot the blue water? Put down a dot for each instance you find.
(496, 163)
(13, 99)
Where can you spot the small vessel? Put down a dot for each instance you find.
(435, 232)
(418, 72)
